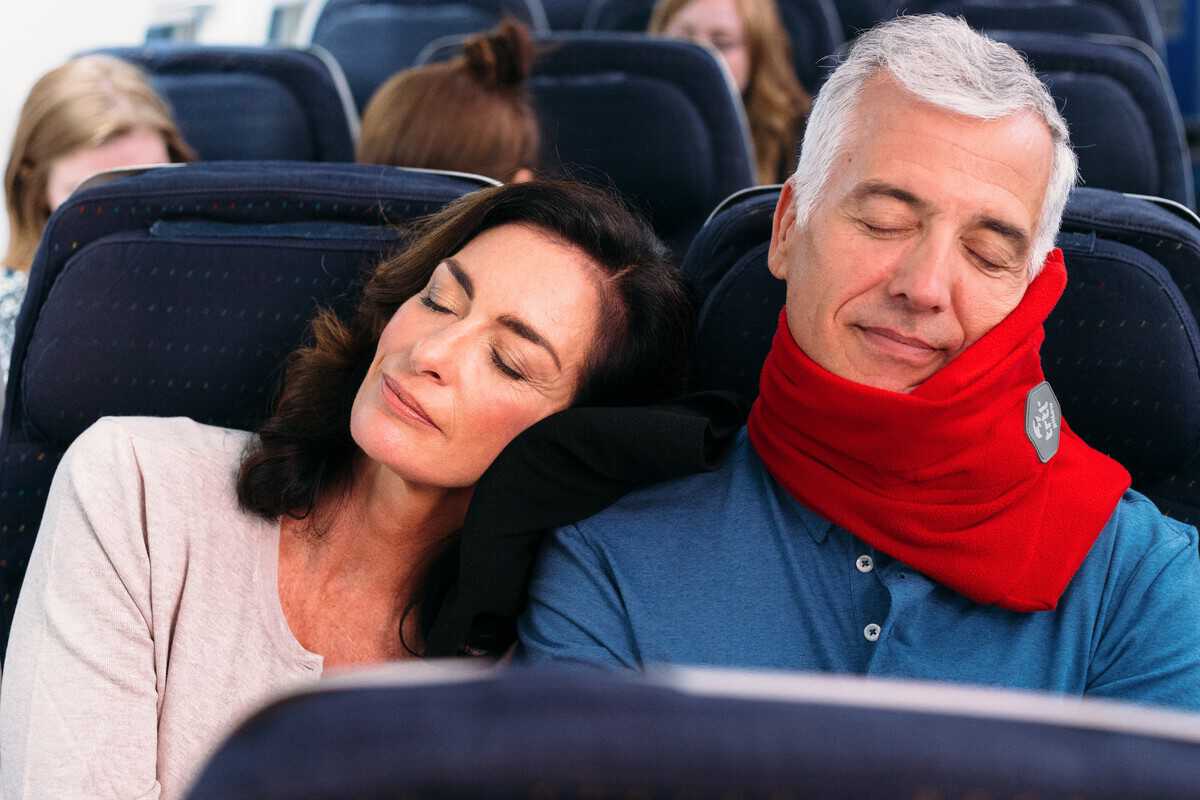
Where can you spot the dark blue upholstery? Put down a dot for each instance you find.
(1137, 19)
(654, 118)
(253, 103)
(1117, 99)
(178, 292)
(1181, 29)
(1122, 348)
(813, 26)
(374, 39)
(696, 734)
(860, 15)
(565, 15)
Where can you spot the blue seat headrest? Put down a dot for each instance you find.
(1117, 99)
(374, 39)
(1122, 347)
(597, 92)
(179, 291)
(252, 103)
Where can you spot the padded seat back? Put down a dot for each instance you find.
(374, 39)
(1122, 347)
(253, 103)
(178, 292)
(657, 119)
(566, 15)
(445, 732)
(1117, 99)
(860, 15)
(813, 26)
(1137, 19)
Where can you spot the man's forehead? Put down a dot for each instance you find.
(1000, 166)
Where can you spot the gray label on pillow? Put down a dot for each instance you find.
(1043, 420)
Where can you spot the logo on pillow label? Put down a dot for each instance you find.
(1043, 420)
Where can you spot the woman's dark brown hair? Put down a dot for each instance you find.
(304, 454)
(470, 114)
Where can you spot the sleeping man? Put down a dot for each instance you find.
(906, 499)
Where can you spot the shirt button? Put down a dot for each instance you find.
(871, 632)
(865, 563)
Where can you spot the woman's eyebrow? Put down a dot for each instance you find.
(522, 329)
(460, 275)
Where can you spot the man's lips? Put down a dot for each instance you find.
(894, 345)
(405, 403)
(888, 333)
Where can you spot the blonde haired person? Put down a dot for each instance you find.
(754, 45)
(92, 114)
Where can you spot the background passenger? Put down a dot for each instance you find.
(750, 37)
(92, 114)
(470, 114)
(184, 572)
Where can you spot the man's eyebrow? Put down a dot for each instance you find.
(460, 275)
(522, 329)
(1017, 237)
(884, 189)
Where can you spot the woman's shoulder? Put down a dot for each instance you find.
(188, 455)
(175, 435)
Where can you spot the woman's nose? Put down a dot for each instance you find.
(437, 354)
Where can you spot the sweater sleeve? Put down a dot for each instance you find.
(79, 701)
(575, 611)
(1148, 649)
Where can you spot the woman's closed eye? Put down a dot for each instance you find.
(505, 368)
(432, 304)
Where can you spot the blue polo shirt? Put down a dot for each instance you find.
(727, 569)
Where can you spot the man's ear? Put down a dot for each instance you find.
(783, 232)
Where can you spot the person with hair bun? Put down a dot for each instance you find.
(469, 114)
(93, 113)
(754, 45)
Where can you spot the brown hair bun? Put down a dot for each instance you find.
(502, 57)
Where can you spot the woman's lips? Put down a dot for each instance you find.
(405, 404)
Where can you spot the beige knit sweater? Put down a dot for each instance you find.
(149, 622)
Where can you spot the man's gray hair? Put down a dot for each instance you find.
(945, 63)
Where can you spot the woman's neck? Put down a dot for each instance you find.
(381, 531)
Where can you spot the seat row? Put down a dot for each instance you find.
(178, 291)
(656, 119)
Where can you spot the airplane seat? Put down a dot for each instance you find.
(814, 30)
(1122, 347)
(374, 39)
(178, 291)
(656, 119)
(253, 103)
(449, 730)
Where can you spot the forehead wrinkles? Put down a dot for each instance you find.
(1013, 154)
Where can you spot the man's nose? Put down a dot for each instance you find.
(924, 276)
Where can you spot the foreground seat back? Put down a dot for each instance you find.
(1122, 347)
(814, 29)
(1137, 19)
(656, 119)
(425, 732)
(374, 39)
(253, 103)
(178, 292)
